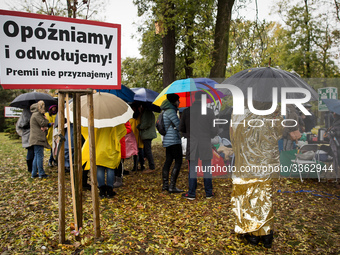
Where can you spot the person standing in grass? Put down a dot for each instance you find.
(147, 131)
(172, 143)
(38, 127)
(51, 116)
(198, 129)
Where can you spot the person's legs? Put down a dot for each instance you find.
(29, 158)
(148, 153)
(101, 176)
(110, 177)
(39, 153)
(192, 177)
(119, 175)
(135, 163)
(177, 155)
(34, 165)
(51, 159)
(141, 158)
(110, 181)
(166, 167)
(207, 178)
(101, 181)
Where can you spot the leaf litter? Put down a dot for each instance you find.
(142, 219)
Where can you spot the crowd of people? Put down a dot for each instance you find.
(250, 147)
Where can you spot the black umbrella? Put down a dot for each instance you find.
(25, 100)
(264, 79)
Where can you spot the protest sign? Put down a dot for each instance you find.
(50, 52)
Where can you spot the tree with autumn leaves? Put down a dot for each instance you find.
(183, 39)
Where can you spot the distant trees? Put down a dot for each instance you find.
(305, 41)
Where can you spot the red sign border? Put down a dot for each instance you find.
(68, 20)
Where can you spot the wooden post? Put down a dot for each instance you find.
(74, 195)
(76, 175)
(61, 168)
(79, 160)
(93, 171)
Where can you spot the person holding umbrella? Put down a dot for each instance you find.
(172, 143)
(23, 130)
(38, 126)
(199, 130)
(110, 115)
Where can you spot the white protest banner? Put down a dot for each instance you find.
(50, 52)
(12, 112)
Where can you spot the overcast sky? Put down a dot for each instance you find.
(124, 12)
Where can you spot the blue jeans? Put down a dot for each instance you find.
(207, 177)
(110, 176)
(38, 161)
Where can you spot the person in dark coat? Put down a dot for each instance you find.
(172, 143)
(23, 130)
(292, 124)
(39, 127)
(309, 120)
(147, 131)
(333, 133)
(199, 130)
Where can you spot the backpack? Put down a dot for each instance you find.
(160, 124)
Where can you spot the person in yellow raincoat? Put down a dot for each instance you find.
(257, 162)
(135, 121)
(51, 115)
(108, 155)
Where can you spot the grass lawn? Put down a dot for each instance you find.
(141, 219)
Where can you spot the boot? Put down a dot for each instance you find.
(267, 240)
(165, 176)
(253, 240)
(29, 165)
(102, 191)
(86, 186)
(118, 183)
(173, 179)
(135, 163)
(110, 192)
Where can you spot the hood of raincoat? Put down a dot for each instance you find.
(38, 107)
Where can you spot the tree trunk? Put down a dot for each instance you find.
(221, 41)
(308, 43)
(189, 47)
(169, 45)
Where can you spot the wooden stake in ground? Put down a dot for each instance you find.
(93, 171)
(74, 176)
(61, 168)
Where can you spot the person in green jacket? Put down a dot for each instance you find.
(147, 130)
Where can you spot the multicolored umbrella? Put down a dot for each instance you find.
(186, 89)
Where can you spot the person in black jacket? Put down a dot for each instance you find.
(198, 129)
